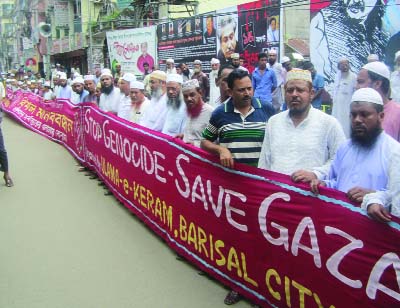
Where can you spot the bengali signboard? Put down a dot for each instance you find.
(132, 48)
(61, 13)
(255, 231)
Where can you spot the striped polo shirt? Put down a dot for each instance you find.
(242, 135)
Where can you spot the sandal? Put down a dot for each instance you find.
(232, 298)
(9, 182)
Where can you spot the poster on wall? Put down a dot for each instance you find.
(186, 40)
(355, 30)
(132, 48)
(258, 30)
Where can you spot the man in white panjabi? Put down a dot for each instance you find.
(134, 110)
(301, 141)
(110, 95)
(214, 90)
(154, 116)
(176, 109)
(343, 89)
(124, 87)
(199, 113)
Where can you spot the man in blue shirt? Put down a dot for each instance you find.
(318, 83)
(263, 80)
(369, 160)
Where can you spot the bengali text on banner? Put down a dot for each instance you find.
(253, 230)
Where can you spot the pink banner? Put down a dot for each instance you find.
(253, 230)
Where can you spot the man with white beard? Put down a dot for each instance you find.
(176, 109)
(110, 95)
(214, 90)
(125, 89)
(170, 66)
(154, 116)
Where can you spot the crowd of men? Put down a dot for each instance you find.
(271, 119)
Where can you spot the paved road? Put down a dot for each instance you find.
(64, 244)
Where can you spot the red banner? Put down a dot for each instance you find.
(255, 231)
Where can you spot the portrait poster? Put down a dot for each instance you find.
(354, 30)
(132, 48)
(186, 40)
(258, 30)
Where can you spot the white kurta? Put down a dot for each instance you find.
(310, 146)
(395, 85)
(175, 120)
(154, 116)
(391, 196)
(195, 126)
(214, 90)
(344, 88)
(110, 102)
(131, 112)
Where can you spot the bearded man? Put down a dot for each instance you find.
(370, 160)
(198, 112)
(176, 109)
(154, 116)
(110, 94)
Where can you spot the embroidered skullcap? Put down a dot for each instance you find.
(299, 74)
(89, 77)
(160, 75)
(47, 84)
(129, 77)
(378, 68)
(368, 95)
(396, 55)
(137, 85)
(372, 57)
(170, 61)
(78, 79)
(62, 76)
(285, 59)
(235, 56)
(191, 84)
(197, 62)
(106, 72)
(214, 61)
(175, 78)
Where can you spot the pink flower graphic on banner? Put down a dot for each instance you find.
(126, 50)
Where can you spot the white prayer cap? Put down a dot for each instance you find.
(272, 51)
(78, 79)
(190, 85)
(137, 85)
(175, 78)
(89, 77)
(368, 95)
(20, 83)
(378, 68)
(129, 77)
(12, 75)
(106, 72)
(396, 55)
(372, 57)
(33, 80)
(47, 84)
(170, 61)
(197, 62)
(343, 59)
(58, 64)
(26, 77)
(28, 82)
(160, 75)
(62, 76)
(285, 59)
(214, 61)
(76, 74)
(8, 80)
